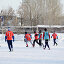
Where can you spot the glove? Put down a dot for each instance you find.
(31, 36)
(13, 38)
(51, 36)
(25, 40)
(57, 37)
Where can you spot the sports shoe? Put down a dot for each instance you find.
(26, 45)
(11, 49)
(33, 45)
(56, 44)
(49, 49)
(44, 48)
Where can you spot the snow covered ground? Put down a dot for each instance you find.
(30, 55)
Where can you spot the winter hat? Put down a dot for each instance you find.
(8, 28)
(45, 29)
(39, 31)
(34, 31)
(25, 32)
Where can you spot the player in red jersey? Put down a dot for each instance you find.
(9, 36)
(36, 38)
(54, 35)
(27, 38)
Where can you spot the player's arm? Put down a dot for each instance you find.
(56, 36)
(40, 36)
(52, 35)
(5, 37)
(13, 36)
(31, 36)
(49, 36)
(43, 35)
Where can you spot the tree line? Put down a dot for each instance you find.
(36, 12)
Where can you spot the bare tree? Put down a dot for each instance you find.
(10, 11)
(8, 14)
(41, 11)
(21, 13)
(53, 11)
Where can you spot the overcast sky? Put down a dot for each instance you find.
(62, 1)
(4, 4)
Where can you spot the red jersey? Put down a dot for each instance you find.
(36, 36)
(40, 36)
(9, 35)
(54, 35)
(27, 36)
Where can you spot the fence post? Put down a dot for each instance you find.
(37, 28)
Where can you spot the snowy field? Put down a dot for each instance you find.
(30, 55)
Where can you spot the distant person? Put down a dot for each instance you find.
(46, 37)
(9, 37)
(36, 39)
(54, 35)
(27, 38)
(40, 38)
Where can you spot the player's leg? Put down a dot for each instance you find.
(40, 42)
(47, 44)
(54, 42)
(34, 43)
(26, 43)
(31, 42)
(37, 41)
(9, 45)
